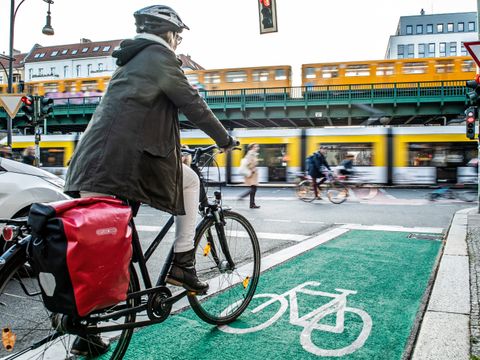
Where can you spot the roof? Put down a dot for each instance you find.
(86, 49)
(188, 63)
(17, 63)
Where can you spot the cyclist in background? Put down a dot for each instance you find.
(131, 148)
(346, 166)
(319, 169)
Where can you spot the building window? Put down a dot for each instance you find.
(106, 48)
(439, 28)
(79, 70)
(421, 50)
(401, 51)
(65, 71)
(461, 27)
(419, 29)
(42, 55)
(464, 50)
(36, 56)
(260, 75)
(450, 27)
(411, 51)
(89, 69)
(52, 71)
(30, 73)
(84, 50)
(55, 53)
(280, 74)
(471, 26)
(100, 67)
(453, 48)
(409, 29)
(40, 71)
(442, 49)
(429, 28)
(236, 76)
(64, 51)
(74, 51)
(310, 73)
(96, 48)
(431, 50)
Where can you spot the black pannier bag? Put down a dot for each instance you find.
(81, 250)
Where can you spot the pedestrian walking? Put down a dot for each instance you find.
(131, 148)
(249, 166)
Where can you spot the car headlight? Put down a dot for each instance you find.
(58, 182)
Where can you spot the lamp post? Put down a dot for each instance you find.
(47, 30)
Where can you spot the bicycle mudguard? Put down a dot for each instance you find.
(81, 250)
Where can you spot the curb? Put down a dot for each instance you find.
(445, 328)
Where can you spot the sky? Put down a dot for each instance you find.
(225, 34)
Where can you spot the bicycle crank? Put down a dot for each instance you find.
(158, 309)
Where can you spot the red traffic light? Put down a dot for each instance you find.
(26, 100)
(265, 3)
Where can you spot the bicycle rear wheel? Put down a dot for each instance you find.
(337, 192)
(229, 285)
(22, 311)
(304, 191)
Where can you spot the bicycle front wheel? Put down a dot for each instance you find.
(337, 192)
(304, 191)
(233, 286)
(28, 321)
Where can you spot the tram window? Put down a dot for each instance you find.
(440, 154)
(310, 73)
(363, 153)
(329, 72)
(280, 74)
(415, 68)
(444, 67)
(468, 66)
(260, 75)
(192, 78)
(89, 85)
(70, 86)
(52, 157)
(236, 76)
(385, 69)
(212, 78)
(50, 87)
(357, 70)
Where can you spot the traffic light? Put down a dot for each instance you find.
(474, 94)
(46, 106)
(268, 16)
(470, 118)
(28, 106)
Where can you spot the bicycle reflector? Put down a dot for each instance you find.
(9, 232)
(470, 118)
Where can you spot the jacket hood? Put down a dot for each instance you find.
(130, 48)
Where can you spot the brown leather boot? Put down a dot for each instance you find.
(183, 273)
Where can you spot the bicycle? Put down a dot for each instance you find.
(227, 256)
(447, 192)
(335, 190)
(312, 320)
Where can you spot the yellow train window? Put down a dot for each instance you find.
(89, 85)
(236, 76)
(357, 70)
(50, 87)
(212, 78)
(260, 75)
(310, 73)
(468, 66)
(385, 69)
(329, 72)
(443, 67)
(415, 68)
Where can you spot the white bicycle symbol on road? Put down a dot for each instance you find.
(310, 321)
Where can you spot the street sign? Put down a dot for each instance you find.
(473, 48)
(11, 103)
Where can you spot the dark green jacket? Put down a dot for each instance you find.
(131, 147)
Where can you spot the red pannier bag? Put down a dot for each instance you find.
(81, 250)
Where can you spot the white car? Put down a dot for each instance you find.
(22, 185)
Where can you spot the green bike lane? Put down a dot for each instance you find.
(349, 293)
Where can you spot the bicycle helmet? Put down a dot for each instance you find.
(158, 19)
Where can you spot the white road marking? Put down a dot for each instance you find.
(278, 220)
(433, 230)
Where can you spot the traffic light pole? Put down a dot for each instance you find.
(36, 124)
